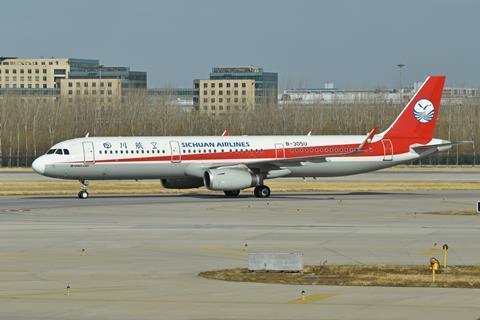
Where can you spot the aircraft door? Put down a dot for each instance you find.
(387, 150)
(279, 151)
(175, 151)
(88, 153)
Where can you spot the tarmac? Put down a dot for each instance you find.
(143, 253)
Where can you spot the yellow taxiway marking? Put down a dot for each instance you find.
(40, 294)
(312, 298)
(224, 251)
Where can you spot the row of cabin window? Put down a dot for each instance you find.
(321, 150)
(222, 150)
(58, 151)
(131, 151)
(183, 151)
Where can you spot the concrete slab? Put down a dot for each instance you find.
(143, 254)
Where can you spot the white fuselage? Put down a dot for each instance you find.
(177, 157)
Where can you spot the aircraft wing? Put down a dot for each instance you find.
(298, 161)
(276, 164)
(264, 166)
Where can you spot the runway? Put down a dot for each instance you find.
(144, 254)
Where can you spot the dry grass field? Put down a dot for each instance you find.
(359, 275)
(65, 187)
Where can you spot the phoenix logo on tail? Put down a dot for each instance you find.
(424, 111)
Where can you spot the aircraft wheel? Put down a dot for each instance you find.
(262, 192)
(232, 193)
(83, 194)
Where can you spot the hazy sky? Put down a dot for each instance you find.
(355, 44)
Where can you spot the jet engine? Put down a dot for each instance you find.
(230, 179)
(182, 183)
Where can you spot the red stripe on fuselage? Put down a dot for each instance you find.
(374, 149)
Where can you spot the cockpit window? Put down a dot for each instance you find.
(51, 151)
(59, 151)
(65, 151)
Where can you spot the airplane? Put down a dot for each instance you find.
(233, 163)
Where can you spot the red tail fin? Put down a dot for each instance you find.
(418, 118)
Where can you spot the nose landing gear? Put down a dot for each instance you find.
(83, 194)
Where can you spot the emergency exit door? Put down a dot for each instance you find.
(175, 151)
(88, 153)
(387, 150)
(279, 151)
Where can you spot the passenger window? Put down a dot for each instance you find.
(51, 151)
(100, 151)
(65, 151)
(59, 151)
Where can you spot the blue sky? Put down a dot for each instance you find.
(355, 44)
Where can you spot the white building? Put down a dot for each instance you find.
(331, 95)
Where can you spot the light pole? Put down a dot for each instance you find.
(400, 67)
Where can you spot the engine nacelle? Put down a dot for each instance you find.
(230, 179)
(182, 183)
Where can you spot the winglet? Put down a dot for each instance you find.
(226, 133)
(368, 139)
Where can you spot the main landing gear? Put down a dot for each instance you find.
(83, 194)
(261, 191)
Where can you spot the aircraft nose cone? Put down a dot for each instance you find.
(39, 165)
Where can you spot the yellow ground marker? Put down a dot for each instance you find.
(311, 298)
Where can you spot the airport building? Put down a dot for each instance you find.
(235, 89)
(266, 83)
(105, 84)
(329, 94)
(220, 96)
(67, 78)
(38, 73)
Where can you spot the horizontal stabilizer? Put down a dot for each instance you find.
(432, 148)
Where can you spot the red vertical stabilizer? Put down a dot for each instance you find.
(417, 120)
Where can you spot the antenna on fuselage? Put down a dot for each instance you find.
(309, 133)
(88, 133)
